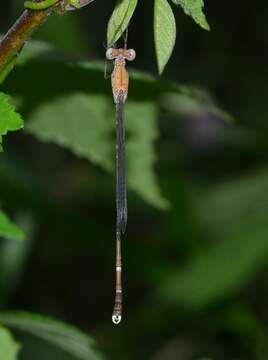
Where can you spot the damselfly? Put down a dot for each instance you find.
(120, 82)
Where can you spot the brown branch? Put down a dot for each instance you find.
(15, 38)
(29, 21)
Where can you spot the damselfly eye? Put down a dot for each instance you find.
(131, 54)
(109, 54)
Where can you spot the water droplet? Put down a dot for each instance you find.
(116, 319)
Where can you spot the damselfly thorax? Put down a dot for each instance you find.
(120, 82)
(120, 78)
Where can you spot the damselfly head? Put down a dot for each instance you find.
(112, 54)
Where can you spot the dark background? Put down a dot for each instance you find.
(195, 277)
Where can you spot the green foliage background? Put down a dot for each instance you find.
(196, 250)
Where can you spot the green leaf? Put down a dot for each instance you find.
(218, 213)
(7, 69)
(238, 249)
(13, 257)
(224, 268)
(79, 122)
(164, 32)
(33, 49)
(9, 119)
(85, 123)
(8, 229)
(8, 347)
(140, 151)
(194, 8)
(67, 337)
(120, 19)
(241, 320)
(185, 105)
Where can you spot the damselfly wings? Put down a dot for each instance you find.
(120, 82)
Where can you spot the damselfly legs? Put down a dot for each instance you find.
(120, 82)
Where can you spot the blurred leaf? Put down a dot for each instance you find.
(8, 347)
(215, 273)
(241, 320)
(8, 229)
(13, 255)
(67, 337)
(194, 8)
(90, 136)
(71, 38)
(7, 70)
(188, 106)
(9, 119)
(80, 122)
(141, 122)
(216, 205)
(164, 32)
(33, 49)
(120, 19)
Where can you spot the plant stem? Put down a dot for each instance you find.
(15, 38)
(27, 23)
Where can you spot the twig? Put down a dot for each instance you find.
(28, 22)
(15, 38)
